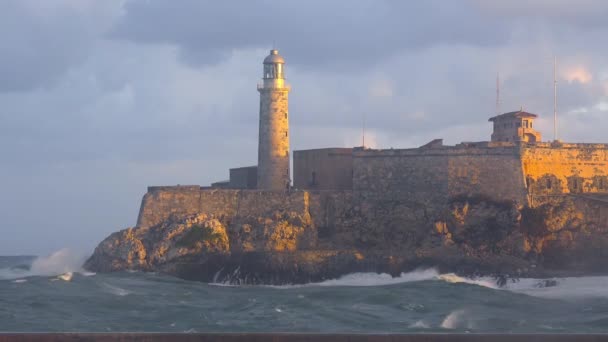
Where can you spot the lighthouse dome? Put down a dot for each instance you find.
(274, 58)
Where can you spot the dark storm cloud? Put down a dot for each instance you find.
(316, 33)
(40, 41)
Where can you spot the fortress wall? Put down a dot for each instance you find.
(495, 173)
(323, 169)
(328, 208)
(594, 210)
(433, 175)
(565, 169)
(160, 202)
(401, 175)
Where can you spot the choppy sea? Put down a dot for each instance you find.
(54, 294)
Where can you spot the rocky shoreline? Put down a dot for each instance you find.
(473, 236)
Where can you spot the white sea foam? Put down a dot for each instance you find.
(572, 287)
(453, 278)
(557, 287)
(115, 290)
(569, 287)
(375, 279)
(66, 276)
(58, 263)
(419, 325)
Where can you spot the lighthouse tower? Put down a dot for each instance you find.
(273, 143)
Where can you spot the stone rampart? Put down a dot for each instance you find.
(433, 175)
(558, 169)
(161, 202)
(528, 174)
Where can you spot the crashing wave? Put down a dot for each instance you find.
(59, 263)
(379, 279)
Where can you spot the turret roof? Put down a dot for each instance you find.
(516, 114)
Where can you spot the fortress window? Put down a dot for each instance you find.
(313, 180)
(285, 133)
(548, 183)
(601, 183)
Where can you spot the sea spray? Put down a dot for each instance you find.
(61, 262)
(454, 320)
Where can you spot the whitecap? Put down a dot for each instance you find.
(453, 278)
(570, 287)
(66, 276)
(419, 325)
(359, 279)
(379, 279)
(19, 281)
(564, 288)
(115, 290)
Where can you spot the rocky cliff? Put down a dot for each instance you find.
(256, 238)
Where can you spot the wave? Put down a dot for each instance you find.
(566, 287)
(483, 281)
(573, 287)
(361, 279)
(379, 279)
(61, 262)
(115, 290)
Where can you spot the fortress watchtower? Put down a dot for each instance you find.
(515, 127)
(273, 143)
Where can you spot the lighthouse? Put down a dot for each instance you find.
(273, 142)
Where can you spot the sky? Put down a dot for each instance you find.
(100, 99)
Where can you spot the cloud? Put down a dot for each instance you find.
(318, 34)
(576, 73)
(101, 98)
(41, 41)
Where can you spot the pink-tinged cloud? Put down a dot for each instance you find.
(576, 73)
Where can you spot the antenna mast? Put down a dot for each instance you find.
(363, 134)
(497, 93)
(555, 98)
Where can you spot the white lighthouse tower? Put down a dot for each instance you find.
(273, 143)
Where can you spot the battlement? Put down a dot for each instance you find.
(460, 149)
(174, 188)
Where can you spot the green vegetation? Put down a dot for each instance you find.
(198, 233)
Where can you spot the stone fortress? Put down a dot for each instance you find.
(511, 205)
(515, 165)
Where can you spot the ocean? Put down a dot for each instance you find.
(53, 294)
